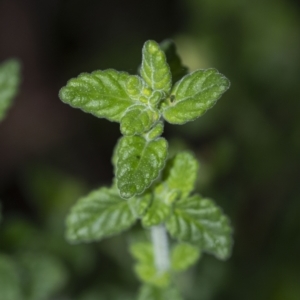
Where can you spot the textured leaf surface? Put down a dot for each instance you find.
(44, 275)
(183, 256)
(155, 70)
(138, 119)
(139, 204)
(10, 287)
(178, 70)
(100, 214)
(201, 222)
(9, 82)
(150, 292)
(157, 213)
(194, 94)
(138, 163)
(102, 93)
(145, 267)
(180, 173)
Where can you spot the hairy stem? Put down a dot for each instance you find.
(160, 247)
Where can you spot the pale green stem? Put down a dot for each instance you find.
(160, 248)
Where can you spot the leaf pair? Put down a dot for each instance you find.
(182, 257)
(139, 103)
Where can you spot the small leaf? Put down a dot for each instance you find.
(10, 284)
(183, 256)
(156, 131)
(138, 163)
(145, 267)
(102, 93)
(155, 70)
(150, 292)
(139, 204)
(178, 70)
(138, 119)
(194, 94)
(180, 173)
(201, 222)
(9, 82)
(157, 213)
(101, 214)
(43, 275)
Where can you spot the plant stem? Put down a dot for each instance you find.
(160, 247)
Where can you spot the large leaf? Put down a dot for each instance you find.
(9, 82)
(10, 287)
(155, 69)
(138, 119)
(102, 93)
(178, 70)
(194, 94)
(150, 292)
(180, 173)
(145, 266)
(100, 214)
(138, 163)
(201, 222)
(43, 275)
(183, 256)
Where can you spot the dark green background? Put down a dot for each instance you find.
(248, 144)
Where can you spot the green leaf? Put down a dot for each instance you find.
(201, 222)
(180, 173)
(183, 256)
(138, 163)
(10, 285)
(43, 275)
(138, 119)
(102, 93)
(145, 267)
(9, 83)
(100, 214)
(194, 94)
(178, 70)
(150, 292)
(155, 69)
(156, 131)
(157, 213)
(139, 204)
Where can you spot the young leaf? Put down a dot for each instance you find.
(138, 163)
(150, 292)
(156, 131)
(100, 214)
(102, 93)
(155, 69)
(180, 173)
(183, 256)
(140, 203)
(138, 119)
(178, 70)
(157, 213)
(201, 222)
(145, 267)
(9, 82)
(194, 94)
(10, 284)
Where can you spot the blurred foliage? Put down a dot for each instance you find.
(248, 148)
